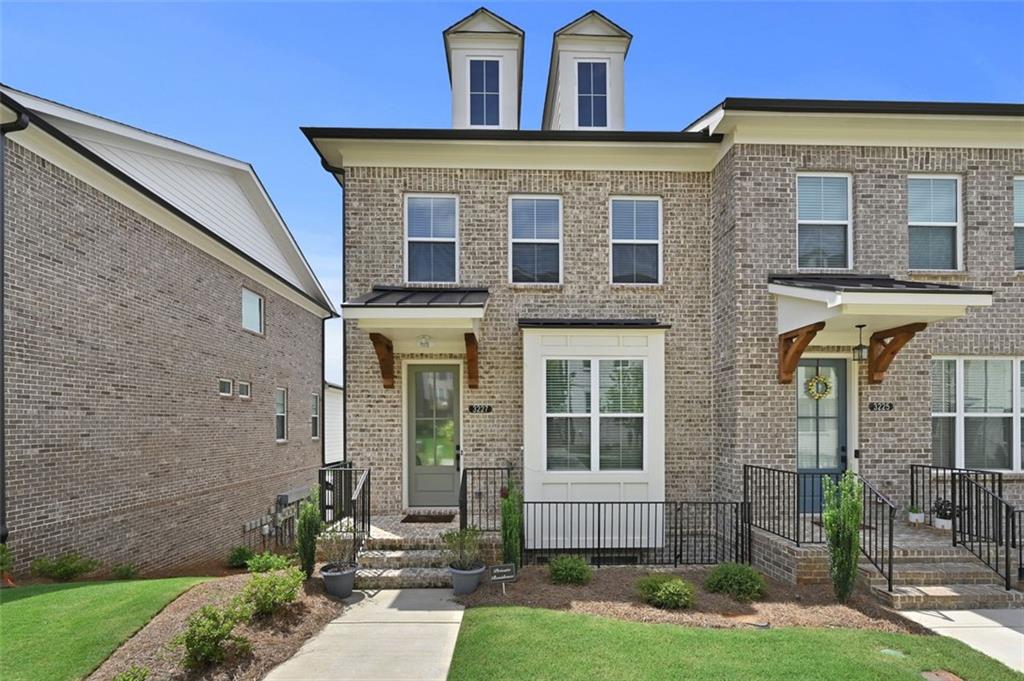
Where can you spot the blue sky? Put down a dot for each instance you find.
(240, 78)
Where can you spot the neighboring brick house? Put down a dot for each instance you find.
(635, 316)
(163, 344)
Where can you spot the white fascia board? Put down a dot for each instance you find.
(830, 298)
(882, 299)
(709, 121)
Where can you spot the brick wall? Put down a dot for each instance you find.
(116, 333)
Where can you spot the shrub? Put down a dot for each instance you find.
(308, 526)
(133, 673)
(511, 525)
(65, 568)
(463, 548)
(125, 571)
(266, 562)
(267, 592)
(569, 570)
(209, 637)
(239, 556)
(6, 559)
(841, 516)
(665, 590)
(742, 582)
(943, 509)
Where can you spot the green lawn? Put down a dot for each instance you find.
(52, 632)
(526, 643)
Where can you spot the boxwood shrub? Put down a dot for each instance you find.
(569, 570)
(742, 582)
(665, 590)
(65, 568)
(239, 556)
(266, 562)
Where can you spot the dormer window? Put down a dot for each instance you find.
(592, 94)
(484, 92)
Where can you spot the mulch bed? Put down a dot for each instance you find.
(273, 640)
(612, 593)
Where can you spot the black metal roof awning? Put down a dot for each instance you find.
(407, 296)
(533, 323)
(866, 283)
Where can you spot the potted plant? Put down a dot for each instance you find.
(915, 515)
(340, 547)
(463, 548)
(942, 514)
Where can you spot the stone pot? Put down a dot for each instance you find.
(916, 518)
(339, 579)
(466, 581)
(942, 523)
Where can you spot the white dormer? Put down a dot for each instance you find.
(585, 79)
(485, 66)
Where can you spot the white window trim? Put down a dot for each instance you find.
(405, 246)
(263, 312)
(595, 416)
(612, 241)
(959, 224)
(1013, 196)
(848, 221)
(277, 413)
(231, 389)
(1017, 405)
(576, 93)
(248, 384)
(469, 90)
(512, 241)
(315, 416)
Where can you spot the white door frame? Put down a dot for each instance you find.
(852, 403)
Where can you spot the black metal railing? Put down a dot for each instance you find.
(876, 530)
(929, 484)
(1017, 536)
(637, 532)
(786, 503)
(983, 523)
(480, 495)
(345, 493)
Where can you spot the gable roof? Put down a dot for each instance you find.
(219, 195)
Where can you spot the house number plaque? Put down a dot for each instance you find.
(480, 409)
(881, 406)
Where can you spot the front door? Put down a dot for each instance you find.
(821, 426)
(433, 437)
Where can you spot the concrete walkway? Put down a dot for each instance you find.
(996, 633)
(395, 634)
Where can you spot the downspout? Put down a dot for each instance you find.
(20, 123)
(323, 392)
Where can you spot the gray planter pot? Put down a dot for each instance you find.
(466, 581)
(942, 523)
(339, 579)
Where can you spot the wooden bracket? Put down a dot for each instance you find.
(884, 347)
(792, 345)
(386, 357)
(472, 361)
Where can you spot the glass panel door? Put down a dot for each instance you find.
(821, 426)
(433, 422)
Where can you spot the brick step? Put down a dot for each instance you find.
(949, 597)
(403, 578)
(402, 558)
(487, 542)
(932, 574)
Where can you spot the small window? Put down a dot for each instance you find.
(225, 387)
(484, 92)
(244, 390)
(823, 221)
(568, 388)
(592, 94)
(314, 420)
(252, 311)
(536, 228)
(281, 414)
(933, 214)
(636, 241)
(1018, 223)
(432, 239)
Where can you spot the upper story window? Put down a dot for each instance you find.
(252, 311)
(281, 414)
(1018, 223)
(536, 235)
(636, 240)
(484, 92)
(225, 387)
(824, 228)
(935, 222)
(432, 245)
(592, 94)
(314, 418)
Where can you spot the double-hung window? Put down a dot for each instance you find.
(484, 92)
(314, 418)
(935, 222)
(592, 94)
(977, 413)
(281, 414)
(587, 434)
(1018, 223)
(824, 226)
(536, 239)
(432, 246)
(636, 240)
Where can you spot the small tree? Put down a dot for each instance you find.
(511, 524)
(841, 517)
(308, 529)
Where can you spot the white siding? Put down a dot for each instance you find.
(334, 424)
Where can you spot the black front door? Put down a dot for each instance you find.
(821, 426)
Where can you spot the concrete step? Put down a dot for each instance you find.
(401, 558)
(932, 574)
(950, 597)
(403, 578)
(402, 544)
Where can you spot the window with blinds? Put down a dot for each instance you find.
(933, 216)
(432, 239)
(823, 221)
(536, 230)
(1018, 223)
(567, 406)
(636, 241)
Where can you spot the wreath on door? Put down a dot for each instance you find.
(818, 387)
